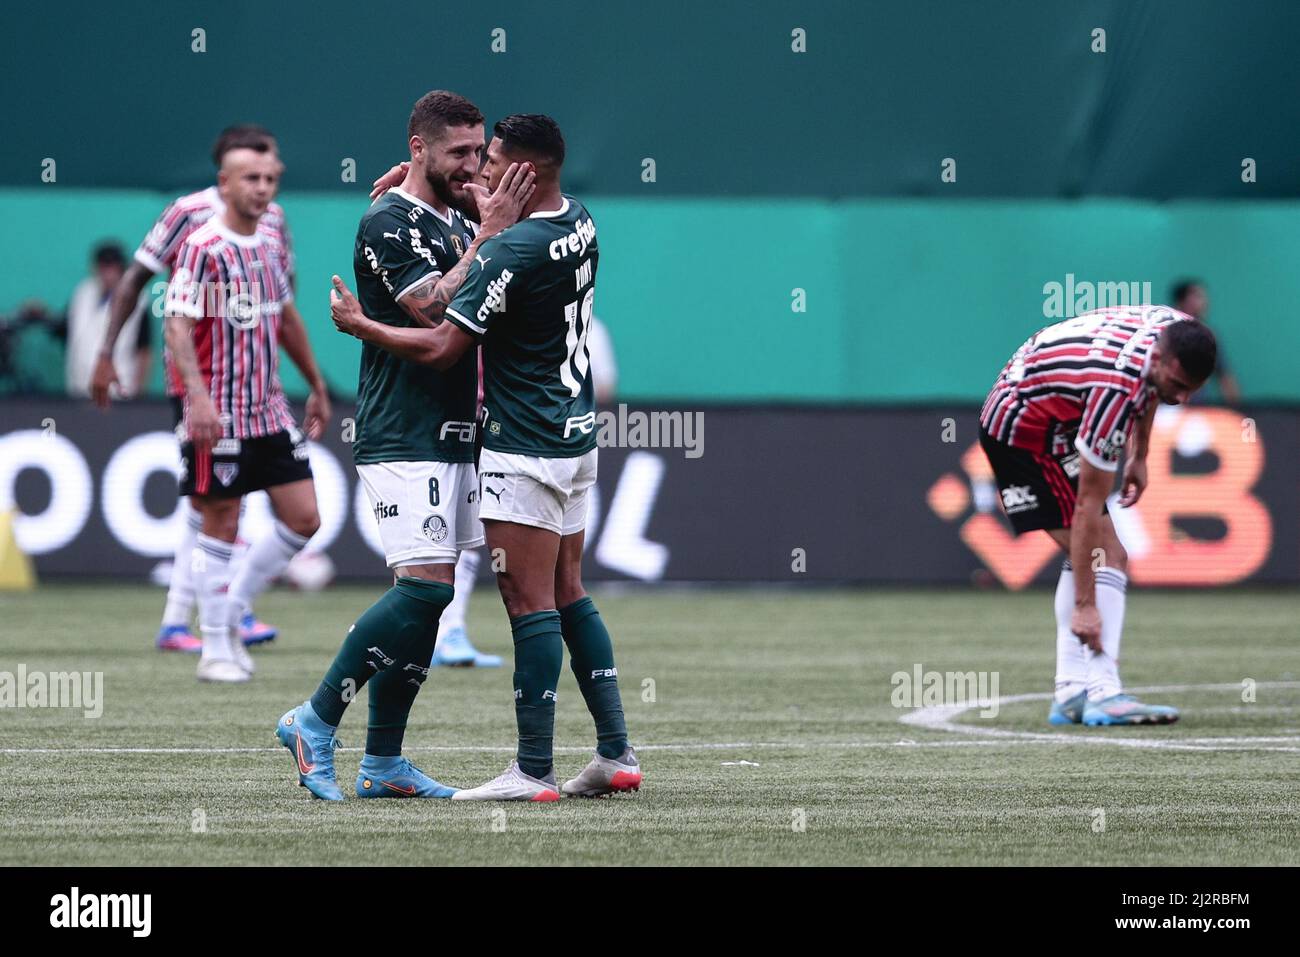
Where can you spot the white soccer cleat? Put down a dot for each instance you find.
(239, 654)
(221, 669)
(606, 776)
(512, 785)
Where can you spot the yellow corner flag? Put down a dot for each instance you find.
(16, 572)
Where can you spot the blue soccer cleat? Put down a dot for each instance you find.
(396, 777)
(1070, 711)
(311, 742)
(454, 650)
(1122, 709)
(254, 632)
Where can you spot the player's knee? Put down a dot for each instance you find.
(305, 524)
(520, 599)
(1116, 555)
(567, 592)
(221, 519)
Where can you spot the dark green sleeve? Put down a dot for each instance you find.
(481, 299)
(398, 252)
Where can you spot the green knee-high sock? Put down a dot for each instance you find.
(591, 656)
(396, 630)
(392, 693)
(539, 656)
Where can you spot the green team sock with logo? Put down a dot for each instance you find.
(539, 656)
(395, 631)
(591, 656)
(392, 693)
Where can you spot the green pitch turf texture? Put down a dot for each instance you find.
(764, 719)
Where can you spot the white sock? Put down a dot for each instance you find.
(180, 590)
(1071, 663)
(211, 579)
(264, 561)
(453, 616)
(1103, 668)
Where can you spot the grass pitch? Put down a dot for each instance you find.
(765, 727)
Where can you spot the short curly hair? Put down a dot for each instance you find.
(439, 109)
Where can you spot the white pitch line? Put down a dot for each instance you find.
(697, 746)
(934, 718)
(941, 718)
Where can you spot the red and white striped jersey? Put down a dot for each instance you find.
(181, 217)
(1086, 375)
(235, 287)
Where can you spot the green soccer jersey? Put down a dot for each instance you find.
(528, 297)
(407, 412)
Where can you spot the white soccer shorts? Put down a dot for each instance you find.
(530, 490)
(426, 511)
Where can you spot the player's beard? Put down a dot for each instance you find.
(441, 187)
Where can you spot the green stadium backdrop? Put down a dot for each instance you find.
(776, 227)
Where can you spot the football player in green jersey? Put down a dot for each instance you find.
(414, 445)
(528, 298)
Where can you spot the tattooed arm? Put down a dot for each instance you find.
(428, 301)
(440, 347)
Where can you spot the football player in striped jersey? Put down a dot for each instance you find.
(1071, 401)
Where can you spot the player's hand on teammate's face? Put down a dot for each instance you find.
(103, 380)
(344, 308)
(204, 423)
(1085, 623)
(318, 413)
(1134, 484)
(502, 207)
(390, 179)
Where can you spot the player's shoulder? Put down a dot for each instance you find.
(207, 198)
(547, 236)
(383, 214)
(193, 207)
(206, 236)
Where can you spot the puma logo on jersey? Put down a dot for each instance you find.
(493, 492)
(397, 236)
(481, 261)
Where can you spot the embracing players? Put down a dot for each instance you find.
(229, 309)
(528, 298)
(414, 445)
(1072, 399)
